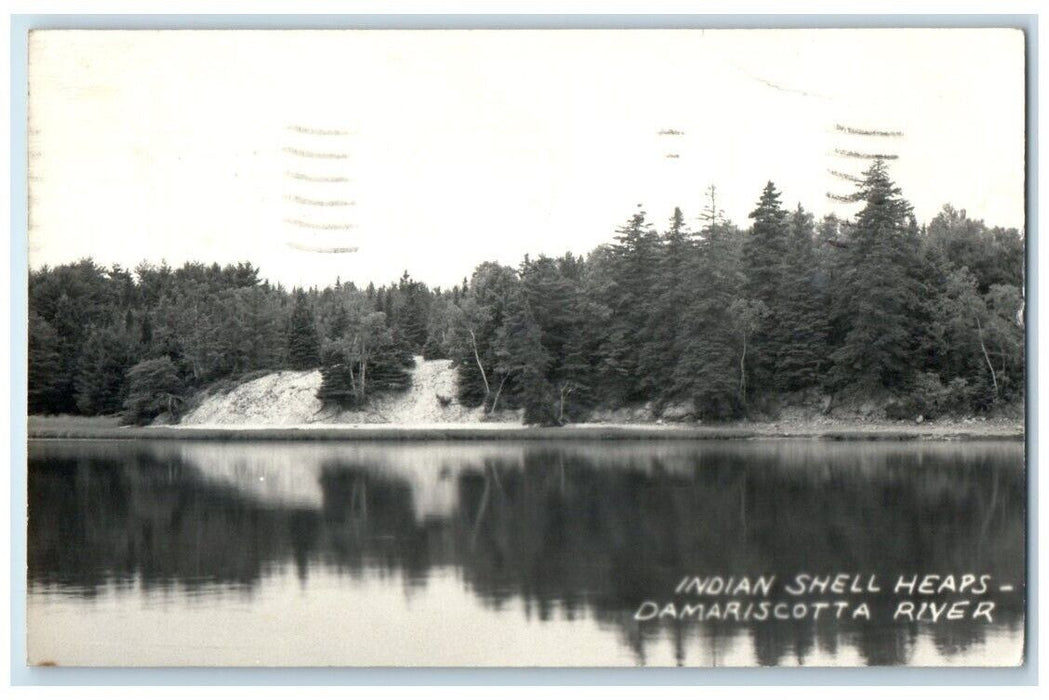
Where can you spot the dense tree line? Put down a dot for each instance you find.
(104, 341)
(718, 321)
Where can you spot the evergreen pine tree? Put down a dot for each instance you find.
(879, 298)
(708, 369)
(764, 250)
(635, 257)
(412, 313)
(524, 361)
(552, 291)
(340, 321)
(100, 380)
(670, 295)
(154, 387)
(303, 343)
(432, 348)
(45, 366)
(337, 381)
(390, 363)
(368, 359)
(801, 356)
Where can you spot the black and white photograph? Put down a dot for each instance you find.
(548, 348)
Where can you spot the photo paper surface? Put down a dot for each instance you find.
(503, 348)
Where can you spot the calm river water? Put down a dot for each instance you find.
(510, 554)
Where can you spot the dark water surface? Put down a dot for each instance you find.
(505, 553)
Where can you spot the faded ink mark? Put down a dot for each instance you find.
(846, 176)
(321, 249)
(319, 202)
(317, 132)
(320, 226)
(867, 132)
(316, 178)
(314, 154)
(865, 156)
(311, 194)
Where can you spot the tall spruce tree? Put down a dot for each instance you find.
(553, 291)
(801, 356)
(303, 343)
(670, 295)
(764, 250)
(524, 362)
(45, 366)
(100, 381)
(412, 312)
(634, 260)
(879, 299)
(707, 371)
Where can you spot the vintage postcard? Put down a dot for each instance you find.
(573, 348)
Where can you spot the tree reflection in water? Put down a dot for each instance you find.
(573, 531)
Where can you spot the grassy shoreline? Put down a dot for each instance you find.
(73, 428)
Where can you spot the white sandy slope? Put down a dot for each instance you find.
(281, 398)
(289, 399)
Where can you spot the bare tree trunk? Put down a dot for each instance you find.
(566, 389)
(496, 479)
(990, 512)
(498, 391)
(353, 377)
(743, 373)
(477, 357)
(485, 495)
(364, 372)
(986, 357)
(1023, 298)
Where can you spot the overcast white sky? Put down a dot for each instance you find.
(464, 146)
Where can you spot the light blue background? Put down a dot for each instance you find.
(23, 675)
